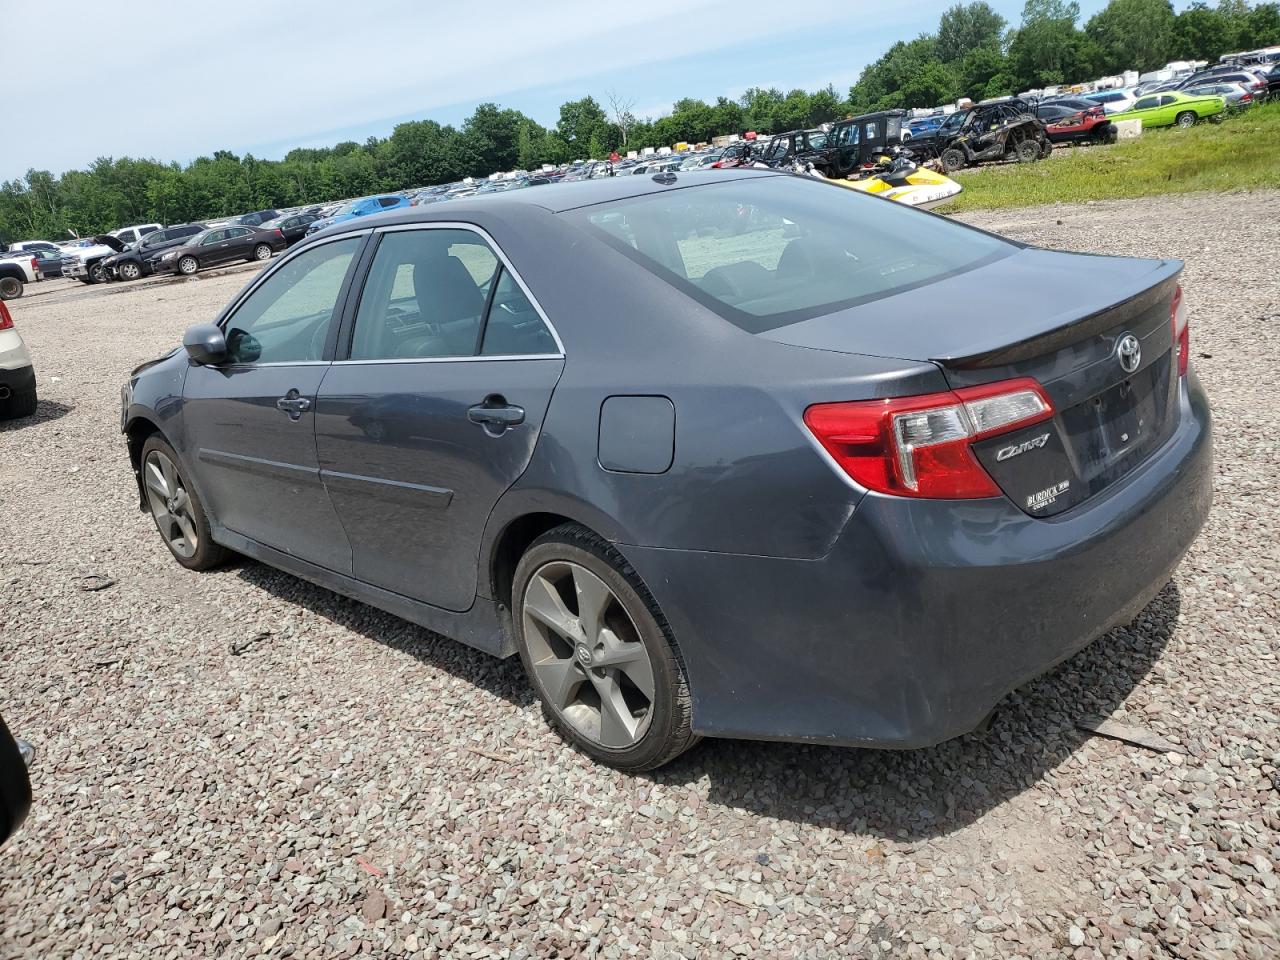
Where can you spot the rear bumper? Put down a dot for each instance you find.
(926, 613)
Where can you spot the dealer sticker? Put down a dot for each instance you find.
(1046, 497)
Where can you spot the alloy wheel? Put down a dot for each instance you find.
(130, 271)
(262, 252)
(170, 504)
(594, 670)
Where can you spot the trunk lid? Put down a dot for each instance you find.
(1059, 318)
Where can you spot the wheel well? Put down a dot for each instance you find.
(511, 545)
(138, 432)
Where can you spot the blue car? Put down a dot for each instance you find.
(360, 208)
(730, 453)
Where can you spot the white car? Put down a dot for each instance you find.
(17, 376)
(17, 270)
(1113, 101)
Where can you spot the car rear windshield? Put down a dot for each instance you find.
(770, 251)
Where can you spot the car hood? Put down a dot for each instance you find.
(107, 240)
(1018, 298)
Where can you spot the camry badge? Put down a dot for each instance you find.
(1129, 353)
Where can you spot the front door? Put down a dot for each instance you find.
(435, 411)
(250, 422)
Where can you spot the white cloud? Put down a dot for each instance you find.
(176, 81)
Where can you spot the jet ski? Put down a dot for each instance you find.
(896, 178)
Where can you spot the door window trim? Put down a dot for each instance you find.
(349, 320)
(339, 309)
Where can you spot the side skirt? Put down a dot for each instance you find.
(480, 627)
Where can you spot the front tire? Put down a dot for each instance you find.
(597, 651)
(96, 273)
(188, 265)
(129, 270)
(20, 403)
(10, 288)
(176, 509)
(1186, 119)
(262, 252)
(952, 160)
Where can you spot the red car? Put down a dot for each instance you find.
(1076, 121)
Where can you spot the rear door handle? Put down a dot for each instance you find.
(495, 414)
(293, 403)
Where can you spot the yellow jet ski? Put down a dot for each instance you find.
(903, 180)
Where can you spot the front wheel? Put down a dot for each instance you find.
(187, 266)
(1027, 151)
(176, 508)
(10, 288)
(97, 273)
(952, 160)
(129, 270)
(262, 252)
(1187, 119)
(597, 651)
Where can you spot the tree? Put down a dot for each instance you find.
(1199, 33)
(620, 112)
(581, 121)
(1132, 35)
(1048, 49)
(966, 28)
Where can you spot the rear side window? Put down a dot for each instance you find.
(388, 201)
(771, 251)
(428, 294)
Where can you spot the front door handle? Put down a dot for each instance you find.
(496, 415)
(293, 403)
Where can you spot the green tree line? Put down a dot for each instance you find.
(974, 53)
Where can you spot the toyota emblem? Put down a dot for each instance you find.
(1129, 353)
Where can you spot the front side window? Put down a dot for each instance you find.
(286, 319)
(766, 252)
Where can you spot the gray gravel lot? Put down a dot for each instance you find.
(352, 784)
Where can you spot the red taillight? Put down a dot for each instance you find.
(1247, 97)
(6, 319)
(35, 266)
(1181, 330)
(280, 234)
(919, 446)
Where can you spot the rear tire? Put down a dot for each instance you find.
(20, 403)
(1186, 119)
(261, 252)
(10, 288)
(188, 265)
(630, 706)
(169, 495)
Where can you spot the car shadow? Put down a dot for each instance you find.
(910, 795)
(502, 678)
(906, 795)
(46, 411)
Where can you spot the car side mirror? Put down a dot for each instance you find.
(205, 343)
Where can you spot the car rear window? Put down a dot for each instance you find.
(767, 252)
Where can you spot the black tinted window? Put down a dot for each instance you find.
(514, 328)
(388, 201)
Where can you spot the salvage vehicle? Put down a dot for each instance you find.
(293, 226)
(139, 259)
(785, 147)
(16, 271)
(1112, 101)
(900, 179)
(1003, 129)
(1063, 123)
(17, 375)
(857, 141)
(83, 260)
(1234, 94)
(212, 248)
(15, 782)
(1173, 107)
(826, 479)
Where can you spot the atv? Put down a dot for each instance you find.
(1004, 129)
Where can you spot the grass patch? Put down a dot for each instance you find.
(1241, 153)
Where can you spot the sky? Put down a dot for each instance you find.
(177, 82)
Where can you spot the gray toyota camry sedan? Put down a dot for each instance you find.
(725, 454)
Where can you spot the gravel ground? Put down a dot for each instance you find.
(350, 783)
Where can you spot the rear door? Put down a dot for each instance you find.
(239, 243)
(434, 408)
